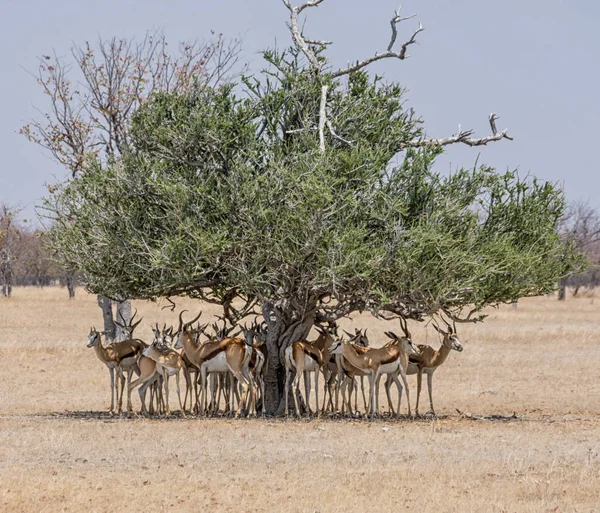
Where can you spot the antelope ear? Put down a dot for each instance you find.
(435, 327)
(450, 331)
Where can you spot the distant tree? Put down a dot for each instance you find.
(286, 199)
(9, 235)
(70, 281)
(92, 99)
(34, 264)
(581, 226)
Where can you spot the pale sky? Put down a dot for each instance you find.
(534, 62)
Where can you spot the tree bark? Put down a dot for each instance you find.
(562, 290)
(284, 327)
(6, 274)
(123, 316)
(70, 279)
(107, 314)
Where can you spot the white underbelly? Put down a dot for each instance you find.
(390, 368)
(169, 370)
(310, 364)
(126, 363)
(412, 368)
(216, 364)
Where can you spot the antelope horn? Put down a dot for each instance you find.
(180, 321)
(118, 323)
(135, 325)
(188, 324)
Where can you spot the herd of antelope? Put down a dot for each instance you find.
(233, 368)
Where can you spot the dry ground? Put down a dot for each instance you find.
(60, 451)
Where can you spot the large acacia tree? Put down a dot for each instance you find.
(279, 194)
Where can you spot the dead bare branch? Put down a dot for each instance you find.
(171, 306)
(91, 101)
(322, 118)
(460, 137)
(300, 41)
(389, 53)
(336, 136)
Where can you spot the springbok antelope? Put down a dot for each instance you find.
(149, 375)
(322, 343)
(407, 349)
(303, 358)
(119, 357)
(219, 380)
(128, 328)
(168, 363)
(346, 374)
(430, 359)
(235, 353)
(257, 366)
(192, 373)
(373, 362)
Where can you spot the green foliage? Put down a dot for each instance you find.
(226, 190)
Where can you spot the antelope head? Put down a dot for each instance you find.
(128, 328)
(183, 328)
(405, 343)
(337, 347)
(93, 337)
(249, 334)
(261, 334)
(359, 338)
(163, 338)
(331, 330)
(450, 339)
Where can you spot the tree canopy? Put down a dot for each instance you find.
(228, 192)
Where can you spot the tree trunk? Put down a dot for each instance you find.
(107, 314)
(562, 290)
(123, 316)
(6, 274)
(70, 279)
(284, 327)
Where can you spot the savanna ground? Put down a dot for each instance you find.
(529, 377)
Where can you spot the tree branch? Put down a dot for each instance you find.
(322, 118)
(460, 137)
(468, 319)
(299, 40)
(389, 53)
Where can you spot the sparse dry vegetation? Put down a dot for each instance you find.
(61, 451)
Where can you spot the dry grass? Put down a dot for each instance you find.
(61, 452)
